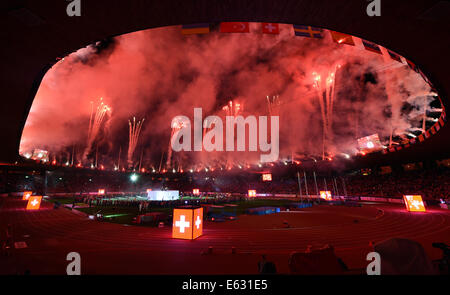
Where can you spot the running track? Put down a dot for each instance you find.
(118, 249)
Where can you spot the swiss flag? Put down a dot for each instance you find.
(270, 28)
(234, 27)
(34, 202)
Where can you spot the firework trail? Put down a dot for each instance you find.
(326, 100)
(95, 123)
(177, 125)
(318, 86)
(231, 109)
(272, 104)
(207, 157)
(135, 130)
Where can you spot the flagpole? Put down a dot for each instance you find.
(315, 182)
(299, 187)
(306, 184)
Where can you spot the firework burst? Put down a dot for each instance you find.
(134, 132)
(95, 123)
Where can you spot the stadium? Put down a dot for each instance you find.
(236, 139)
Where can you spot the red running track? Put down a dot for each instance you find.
(107, 248)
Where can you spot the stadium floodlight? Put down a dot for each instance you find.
(134, 177)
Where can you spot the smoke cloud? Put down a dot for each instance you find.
(158, 74)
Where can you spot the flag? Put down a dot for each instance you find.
(234, 27)
(270, 28)
(34, 202)
(371, 46)
(412, 66)
(308, 31)
(195, 29)
(342, 38)
(394, 55)
(425, 78)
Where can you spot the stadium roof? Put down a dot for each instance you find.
(36, 33)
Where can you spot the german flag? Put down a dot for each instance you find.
(342, 38)
(371, 46)
(308, 31)
(195, 29)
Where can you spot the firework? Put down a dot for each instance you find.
(134, 132)
(177, 125)
(95, 123)
(326, 100)
(272, 104)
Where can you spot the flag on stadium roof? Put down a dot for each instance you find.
(270, 28)
(412, 66)
(308, 31)
(234, 27)
(191, 29)
(394, 55)
(433, 130)
(425, 78)
(342, 38)
(371, 46)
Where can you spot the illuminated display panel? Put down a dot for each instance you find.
(34, 202)
(267, 177)
(370, 144)
(414, 203)
(26, 195)
(163, 195)
(101, 191)
(196, 191)
(40, 155)
(326, 195)
(197, 223)
(187, 223)
(251, 193)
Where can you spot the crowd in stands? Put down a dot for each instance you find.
(431, 183)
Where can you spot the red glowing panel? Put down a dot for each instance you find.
(34, 202)
(182, 224)
(196, 191)
(414, 203)
(187, 223)
(251, 193)
(26, 195)
(101, 191)
(197, 223)
(267, 177)
(326, 195)
(149, 190)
